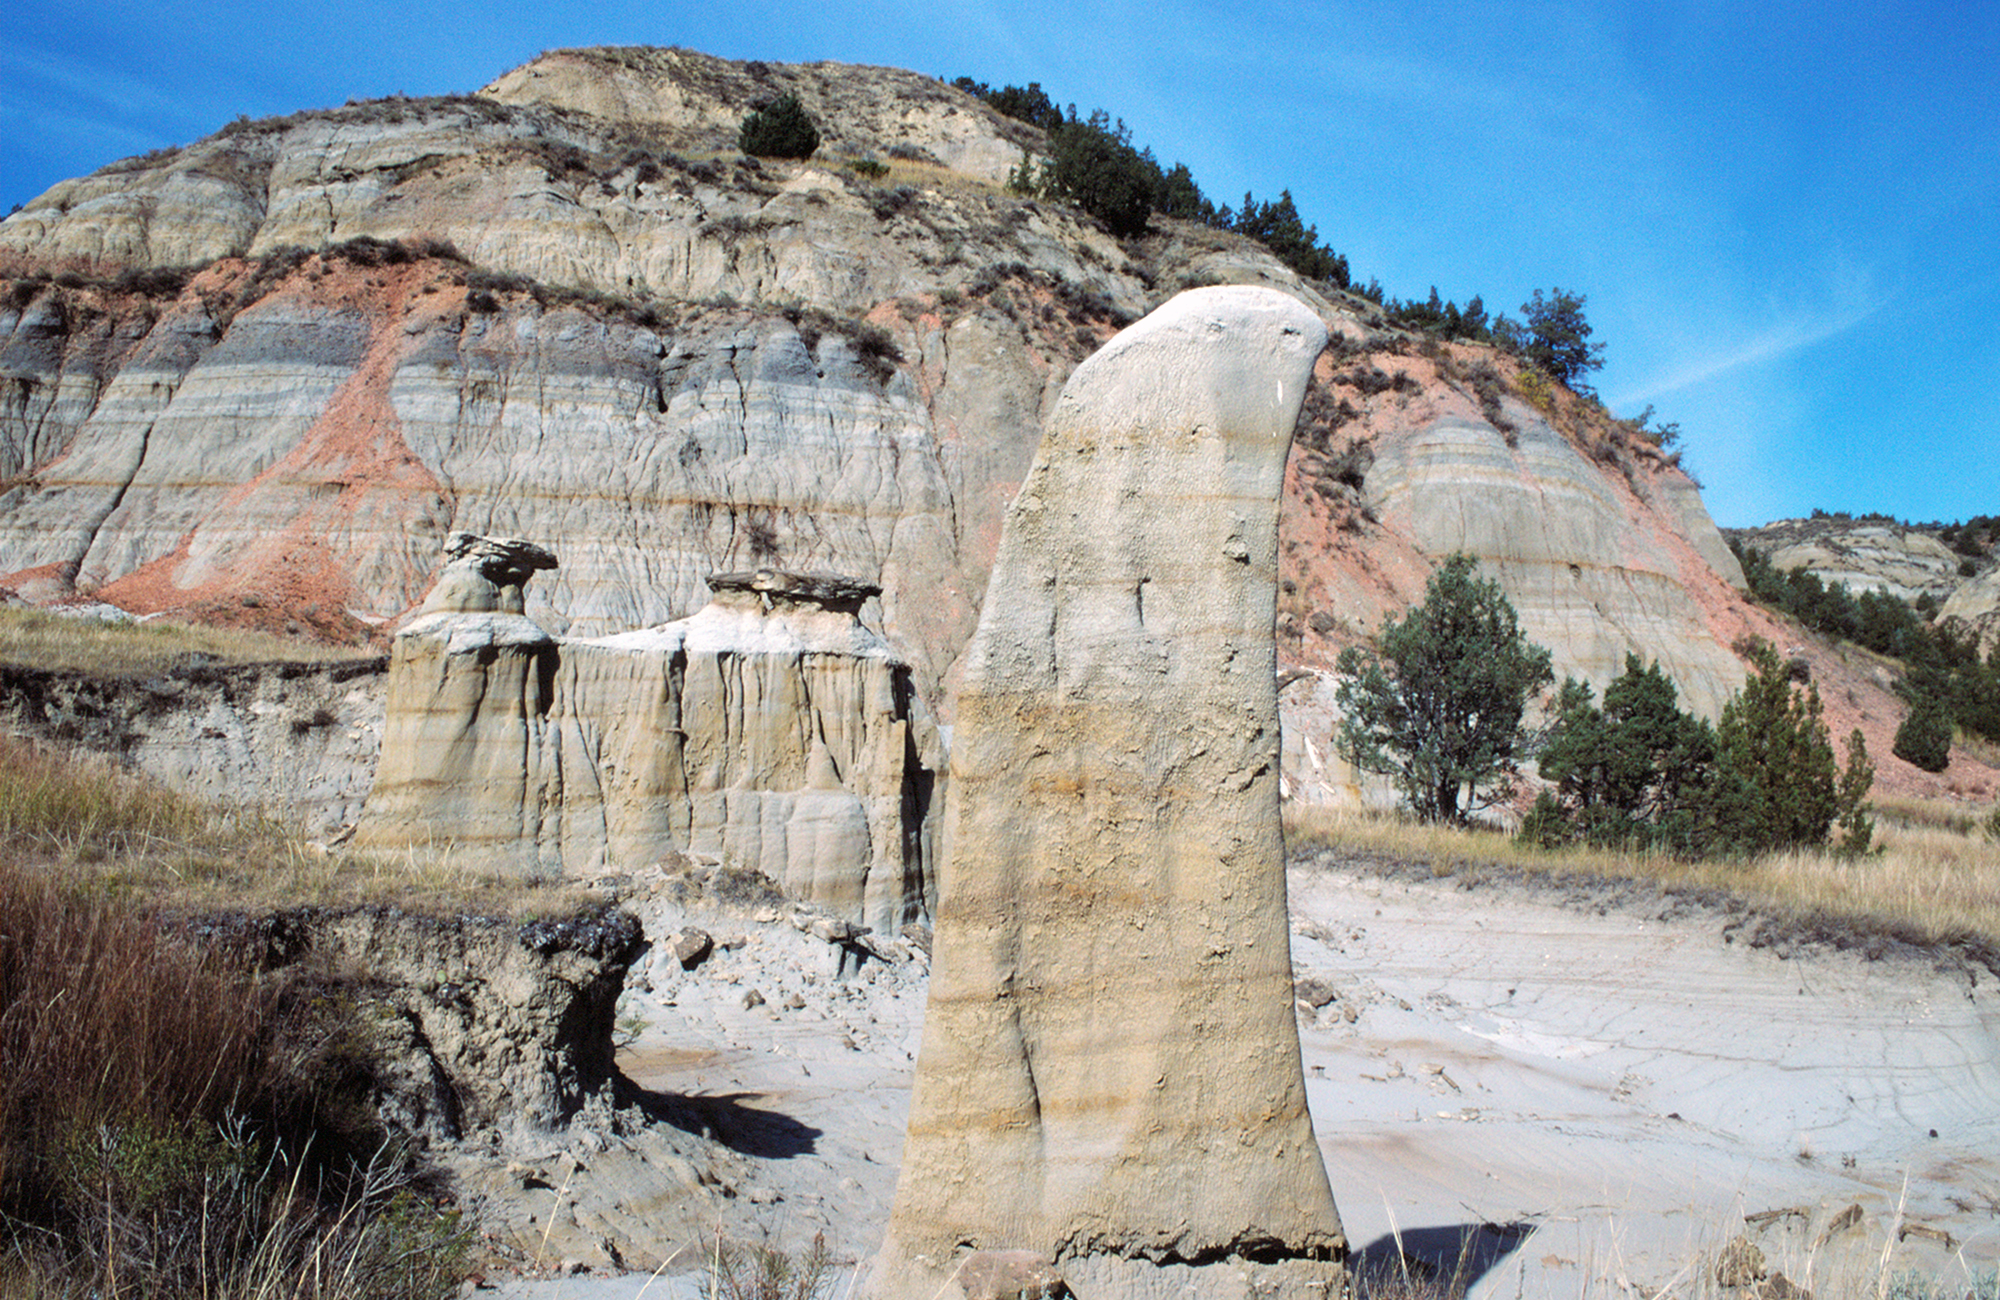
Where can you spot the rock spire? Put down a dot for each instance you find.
(1109, 1079)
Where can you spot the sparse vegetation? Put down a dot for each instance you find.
(168, 1123)
(1926, 886)
(763, 1272)
(34, 638)
(1556, 339)
(1091, 163)
(1942, 666)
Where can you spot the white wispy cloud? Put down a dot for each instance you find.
(1772, 343)
(108, 92)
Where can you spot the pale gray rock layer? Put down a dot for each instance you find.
(1589, 577)
(1110, 1072)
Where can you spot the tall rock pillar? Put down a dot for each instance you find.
(470, 685)
(1109, 1084)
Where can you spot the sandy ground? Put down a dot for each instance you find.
(1578, 1092)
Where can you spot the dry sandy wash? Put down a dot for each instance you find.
(1596, 1085)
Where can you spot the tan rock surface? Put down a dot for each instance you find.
(1974, 607)
(771, 729)
(1109, 1076)
(698, 102)
(465, 753)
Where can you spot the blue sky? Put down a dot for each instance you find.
(1784, 215)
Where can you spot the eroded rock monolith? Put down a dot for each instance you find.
(1110, 1075)
(771, 729)
(471, 679)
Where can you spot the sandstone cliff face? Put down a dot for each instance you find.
(770, 729)
(1601, 544)
(720, 364)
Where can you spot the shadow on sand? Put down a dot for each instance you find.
(1442, 1262)
(729, 1119)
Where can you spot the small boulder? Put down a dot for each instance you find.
(1314, 991)
(1741, 1264)
(690, 946)
(833, 930)
(1010, 1275)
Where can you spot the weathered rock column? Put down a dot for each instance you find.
(1110, 1074)
(470, 685)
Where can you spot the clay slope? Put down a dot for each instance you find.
(260, 377)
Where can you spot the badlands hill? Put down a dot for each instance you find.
(1952, 566)
(259, 378)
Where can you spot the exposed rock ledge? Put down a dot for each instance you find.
(475, 1025)
(297, 739)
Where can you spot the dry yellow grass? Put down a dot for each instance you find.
(119, 833)
(34, 638)
(1926, 884)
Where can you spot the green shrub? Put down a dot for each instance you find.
(1635, 772)
(1558, 338)
(1444, 718)
(1093, 165)
(1777, 784)
(1924, 739)
(780, 129)
(1279, 227)
(1640, 772)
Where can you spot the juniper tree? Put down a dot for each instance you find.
(1441, 709)
(780, 129)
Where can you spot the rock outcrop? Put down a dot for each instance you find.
(298, 740)
(1109, 1077)
(473, 1026)
(1908, 562)
(465, 761)
(267, 374)
(1863, 554)
(771, 729)
(695, 102)
(1585, 567)
(1974, 610)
